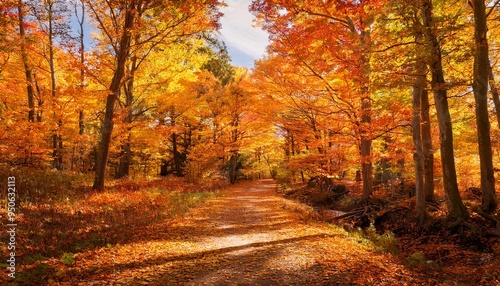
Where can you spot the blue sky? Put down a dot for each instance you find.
(245, 42)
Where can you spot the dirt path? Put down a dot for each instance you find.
(249, 236)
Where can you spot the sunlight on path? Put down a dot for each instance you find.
(246, 237)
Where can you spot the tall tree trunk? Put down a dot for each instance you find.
(453, 199)
(126, 154)
(77, 157)
(425, 136)
(27, 67)
(427, 149)
(81, 21)
(56, 136)
(418, 156)
(480, 88)
(366, 112)
(107, 127)
(178, 164)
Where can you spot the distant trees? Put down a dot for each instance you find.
(326, 41)
(362, 59)
(53, 19)
(344, 89)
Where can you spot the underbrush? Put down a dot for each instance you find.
(37, 186)
(58, 214)
(390, 226)
(385, 242)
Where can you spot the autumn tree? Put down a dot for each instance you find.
(291, 26)
(175, 33)
(7, 20)
(313, 140)
(438, 84)
(480, 86)
(123, 27)
(208, 155)
(401, 64)
(27, 68)
(79, 12)
(237, 103)
(53, 17)
(127, 18)
(19, 89)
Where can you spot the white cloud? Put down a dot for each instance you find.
(245, 42)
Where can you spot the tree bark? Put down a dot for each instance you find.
(366, 165)
(453, 199)
(56, 136)
(126, 154)
(418, 156)
(39, 113)
(27, 67)
(480, 88)
(427, 149)
(125, 158)
(107, 127)
(178, 162)
(366, 112)
(81, 21)
(233, 168)
(177, 156)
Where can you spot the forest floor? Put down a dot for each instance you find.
(248, 235)
(465, 255)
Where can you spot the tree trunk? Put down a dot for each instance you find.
(480, 88)
(27, 68)
(427, 149)
(418, 157)
(367, 167)
(178, 164)
(107, 127)
(164, 168)
(81, 123)
(453, 199)
(177, 156)
(81, 21)
(126, 154)
(39, 113)
(233, 170)
(56, 137)
(125, 158)
(81, 114)
(366, 113)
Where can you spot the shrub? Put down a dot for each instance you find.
(416, 259)
(68, 258)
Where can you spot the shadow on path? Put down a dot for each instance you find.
(245, 237)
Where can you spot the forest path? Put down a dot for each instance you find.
(248, 236)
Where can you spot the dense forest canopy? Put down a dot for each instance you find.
(385, 92)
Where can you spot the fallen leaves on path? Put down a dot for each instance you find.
(249, 236)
